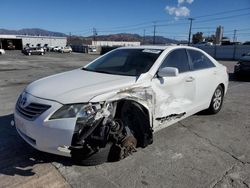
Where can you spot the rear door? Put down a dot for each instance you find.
(174, 95)
(205, 74)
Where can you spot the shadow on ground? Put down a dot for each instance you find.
(16, 156)
(232, 77)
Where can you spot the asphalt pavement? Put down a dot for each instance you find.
(200, 151)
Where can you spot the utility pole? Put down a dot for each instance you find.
(94, 34)
(154, 33)
(69, 38)
(143, 41)
(235, 39)
(190, 30)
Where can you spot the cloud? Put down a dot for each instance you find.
(185, 1)
(190, 1)
(180, 11)
(180, 1)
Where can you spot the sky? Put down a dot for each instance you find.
(170, 17)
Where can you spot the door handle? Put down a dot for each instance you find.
(190, 79)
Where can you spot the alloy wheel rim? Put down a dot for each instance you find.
(217, 99)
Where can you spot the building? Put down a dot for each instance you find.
(19, 41)
(218, 35)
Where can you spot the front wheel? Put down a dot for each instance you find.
(87, 157)
(217, 100)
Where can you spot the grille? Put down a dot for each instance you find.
(31, 111)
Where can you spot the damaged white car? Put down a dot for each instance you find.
(105, 110)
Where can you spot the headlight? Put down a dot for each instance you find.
(76, 110)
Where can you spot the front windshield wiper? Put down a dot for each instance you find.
(99, 71)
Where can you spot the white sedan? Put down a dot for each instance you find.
(108, 108)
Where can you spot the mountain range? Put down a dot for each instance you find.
(87, 40)
(32, 31)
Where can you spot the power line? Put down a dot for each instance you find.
(222, 18)
(224, 12)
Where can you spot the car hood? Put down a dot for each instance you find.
(77, 86)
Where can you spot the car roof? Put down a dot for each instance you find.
(159, 47)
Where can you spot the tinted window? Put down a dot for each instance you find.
(131, 62)
(177, 58)
(199, 60)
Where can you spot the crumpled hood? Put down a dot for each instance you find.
(77, 86)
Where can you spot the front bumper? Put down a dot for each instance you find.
(52, 136)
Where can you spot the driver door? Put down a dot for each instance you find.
(175, 95)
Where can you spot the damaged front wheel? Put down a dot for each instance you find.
(87, 157)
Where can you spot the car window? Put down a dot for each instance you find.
(115, 61)
(199, 60)
(130, 62)
(177, 58)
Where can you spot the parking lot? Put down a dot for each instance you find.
(200, 151)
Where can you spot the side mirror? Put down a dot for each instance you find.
(168, 72)
(243, 55)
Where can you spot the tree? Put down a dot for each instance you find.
(210, 39)
(198, 37)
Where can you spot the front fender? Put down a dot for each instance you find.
(144, 95)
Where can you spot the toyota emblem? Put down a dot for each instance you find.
(23, 101)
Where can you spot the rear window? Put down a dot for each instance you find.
(199, 60)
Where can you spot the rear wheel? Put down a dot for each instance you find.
(217, 100)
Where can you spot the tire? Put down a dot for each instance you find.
(96, 158)
(216, 101)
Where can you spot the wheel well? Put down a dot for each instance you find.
(223, 87)
(120, 104)
(136, 117)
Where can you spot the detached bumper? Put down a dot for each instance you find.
(52, 136)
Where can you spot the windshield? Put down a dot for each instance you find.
(129, 62)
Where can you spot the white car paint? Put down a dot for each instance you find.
(2, 51)
(185, 94)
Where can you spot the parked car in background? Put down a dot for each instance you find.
(50, 48)
(66, 49)
(2, 51)
(56, 48)
(33, 51)
(203, 44)
(106, 109)
(10, 45)
(45, 47)
(242, 68)
(246, 43)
